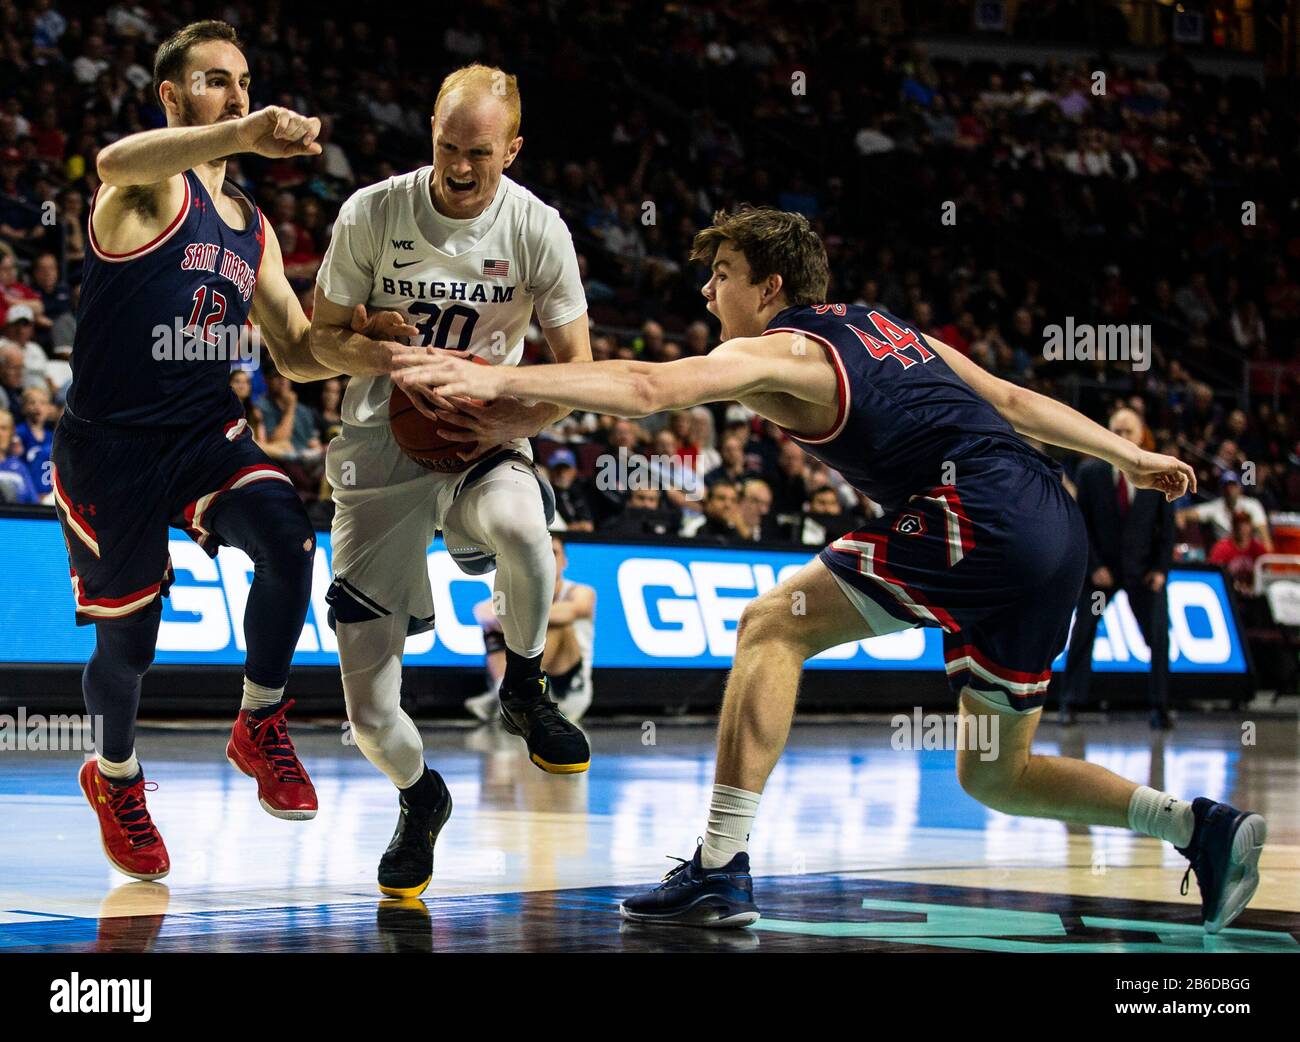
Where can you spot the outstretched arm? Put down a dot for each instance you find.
(156, 155)
(1045, 419)
(143, 187)
(508, 418)
(734, 370)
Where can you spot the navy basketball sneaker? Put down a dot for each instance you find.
(692, 895)
(1224, 853)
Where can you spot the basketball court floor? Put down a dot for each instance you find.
(858, 846)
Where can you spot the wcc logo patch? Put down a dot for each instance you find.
(910, 524)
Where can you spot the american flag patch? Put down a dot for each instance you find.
(496, 268)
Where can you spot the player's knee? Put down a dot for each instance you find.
(367, 727)
(990, 781)
(368, 718)
(767, 618)
(274, 529)
(139, 660)
(128, 660)
(293, 539)
(287, 545)
(521, 531)
(127, 648)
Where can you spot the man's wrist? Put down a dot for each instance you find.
(1128, 457)
(231, 133)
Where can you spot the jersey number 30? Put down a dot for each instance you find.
(437, 324)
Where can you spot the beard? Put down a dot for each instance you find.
(189, 117)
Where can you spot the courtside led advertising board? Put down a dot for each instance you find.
(657, 607)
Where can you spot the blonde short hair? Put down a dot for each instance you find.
(485, 79)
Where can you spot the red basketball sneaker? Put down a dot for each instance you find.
(131, 842)
(260, 747)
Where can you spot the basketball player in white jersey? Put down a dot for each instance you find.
(468, 254)
(570, 645)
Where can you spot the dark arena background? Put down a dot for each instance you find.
(1095, 201)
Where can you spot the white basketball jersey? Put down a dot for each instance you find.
(479, 297)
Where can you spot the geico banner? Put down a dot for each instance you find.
(656, 607)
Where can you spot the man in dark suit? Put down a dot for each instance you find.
(1130, 546)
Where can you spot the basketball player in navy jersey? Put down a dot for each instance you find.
(979, 539)
(153, 435)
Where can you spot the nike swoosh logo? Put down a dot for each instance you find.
(399, 264)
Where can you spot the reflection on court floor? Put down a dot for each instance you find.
(858, 846)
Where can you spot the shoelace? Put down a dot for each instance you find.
(272, 736)
(1191, 866)
(677, 869)
(128, 807)
(548, 716)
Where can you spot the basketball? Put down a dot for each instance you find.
(418, 436)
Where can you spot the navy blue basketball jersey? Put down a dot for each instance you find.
(903, 412)
(157, 327)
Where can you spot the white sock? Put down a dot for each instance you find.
(1160, 815)
(731, 816)
(258, 697)
(128, 768)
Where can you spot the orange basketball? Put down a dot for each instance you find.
(418, 437)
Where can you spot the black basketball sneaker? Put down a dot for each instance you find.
(407, 865)
(554, 744)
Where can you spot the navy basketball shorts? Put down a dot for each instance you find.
(116, 491)
(995, 560)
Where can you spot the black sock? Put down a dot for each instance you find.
(520, 671)
(425, 792)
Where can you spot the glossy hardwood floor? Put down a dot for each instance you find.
(858, 846)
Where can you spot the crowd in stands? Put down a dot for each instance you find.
(984, 202)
